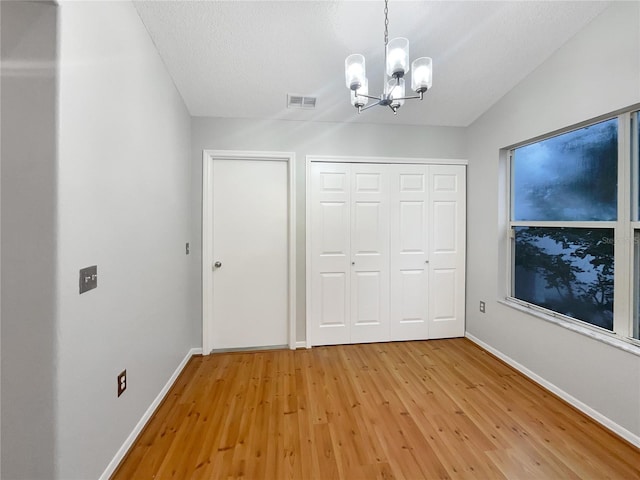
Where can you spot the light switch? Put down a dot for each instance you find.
(88, 278)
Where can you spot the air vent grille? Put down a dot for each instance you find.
(301, 101)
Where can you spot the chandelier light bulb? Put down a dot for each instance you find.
(421, 74)
(358, 97)
(354, 67)
(398, 57)
(395, 88)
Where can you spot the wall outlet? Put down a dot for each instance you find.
(122, 382)
(482, 307)
(186, 248)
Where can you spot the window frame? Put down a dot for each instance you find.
(626, 307)
(634, 224)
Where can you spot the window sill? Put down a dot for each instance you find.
(628, 345)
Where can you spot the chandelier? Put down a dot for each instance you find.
(396, 59)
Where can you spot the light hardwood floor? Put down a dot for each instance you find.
(417, 410)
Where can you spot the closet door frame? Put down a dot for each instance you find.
(347, 159)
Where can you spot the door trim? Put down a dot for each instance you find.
(208, 156)
(390, 160)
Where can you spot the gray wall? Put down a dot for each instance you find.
(308, 138)
(95, 170)
(596, 72)
(123, 204)
(29, 193)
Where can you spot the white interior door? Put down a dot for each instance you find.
(330, 258)
(250, 253)
(447, 250)
(369, 253)
(409, 252)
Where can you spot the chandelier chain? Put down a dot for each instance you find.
(386, 22)
(386, 37)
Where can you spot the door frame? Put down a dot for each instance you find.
(347, 159)
(208, 156)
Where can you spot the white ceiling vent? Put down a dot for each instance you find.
(300, 101)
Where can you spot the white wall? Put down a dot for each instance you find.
(124, 205)
(309, 138)
(596, 72)
(95, 170)
(29, 171)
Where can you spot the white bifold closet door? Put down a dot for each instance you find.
(330, 235)
(409, 235)
(369, 253)
(350, 251)
(387, 252)
(447, 243)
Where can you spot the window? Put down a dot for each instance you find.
(574, 229)
(635, 160)
(570, 177)
(566, 270)
(636, 310)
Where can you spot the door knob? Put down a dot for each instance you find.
(217, 264)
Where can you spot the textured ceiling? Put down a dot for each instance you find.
(240, 59)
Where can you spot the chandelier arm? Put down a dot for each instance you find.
(416, 97)
(372, 105)
(368, 96)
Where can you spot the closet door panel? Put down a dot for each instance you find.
(330, 253)
(409, 252)
(369, 253)
(447, 251)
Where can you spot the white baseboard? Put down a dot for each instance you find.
(302, 344)
(146, 416)
(584, 408)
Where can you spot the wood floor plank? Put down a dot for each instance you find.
(442, 409)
